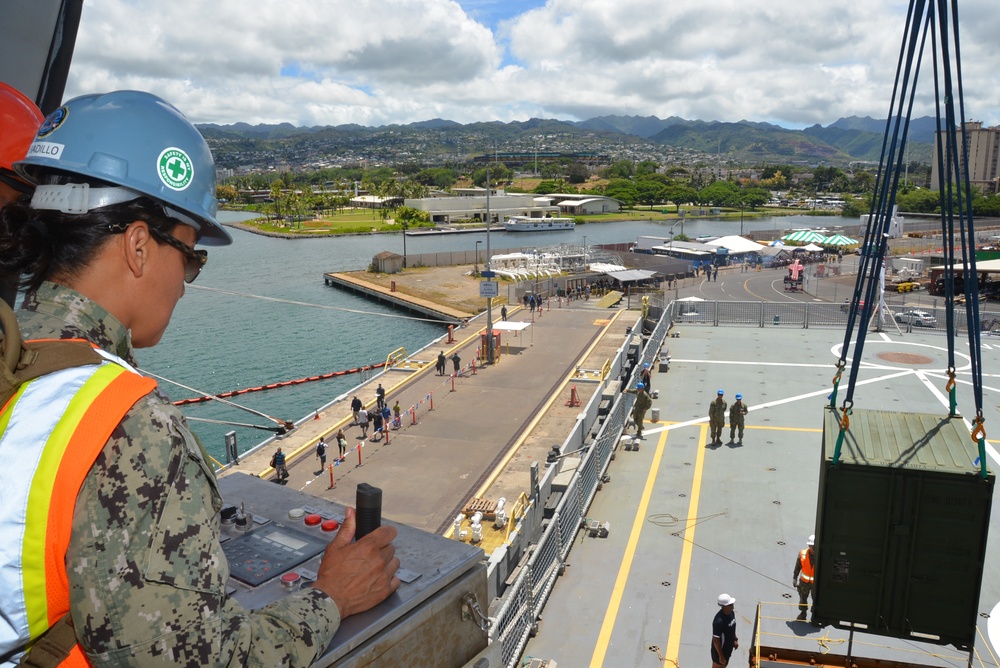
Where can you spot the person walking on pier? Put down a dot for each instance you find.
(363, 421)
(717, 417)
(341, 444)
(356, 406)
(736, 413)
(321, 453)
(397, 416)
(442, 361)
(456, 361)
(804, 577)
(379, 397)
(376, 425)
(724, 639)
(503, 313)
(278, 464)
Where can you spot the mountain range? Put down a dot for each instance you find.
(846, 140)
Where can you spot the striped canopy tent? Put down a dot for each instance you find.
(804, 236)
(838, 240)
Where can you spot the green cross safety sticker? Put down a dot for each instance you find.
(175, 168)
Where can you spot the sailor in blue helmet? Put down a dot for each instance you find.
(736, 421)
(717, 418)
(646, 377)
(132, 571)
(639, 408)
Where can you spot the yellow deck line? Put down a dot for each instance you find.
(680, 597)
(604, 637)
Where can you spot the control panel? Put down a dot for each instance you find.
(274, 538)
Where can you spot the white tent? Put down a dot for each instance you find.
(812, 248)
(735, 244)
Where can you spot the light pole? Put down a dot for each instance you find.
(584, 252)
(475, 263)
(490, 349)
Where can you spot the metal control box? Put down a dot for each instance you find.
(901, 527)
(429, 622)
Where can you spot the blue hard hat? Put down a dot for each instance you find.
(129, 139)
(646, 365)
(721, 393)
(739, 396)
(640, 386)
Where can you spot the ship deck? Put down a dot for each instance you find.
(691, 521)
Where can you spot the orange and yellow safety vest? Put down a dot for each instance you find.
(51, 432)
(806, 572)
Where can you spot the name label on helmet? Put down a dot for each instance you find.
(175, 168)
(46, 149)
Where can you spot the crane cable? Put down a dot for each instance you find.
(874, 245)
(283, 425)
(871, 277)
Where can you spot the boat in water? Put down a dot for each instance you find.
(528, 224)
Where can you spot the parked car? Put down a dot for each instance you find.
(917, 318)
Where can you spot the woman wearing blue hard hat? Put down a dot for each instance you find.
(108, 482)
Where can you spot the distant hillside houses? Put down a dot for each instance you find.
(470, 204)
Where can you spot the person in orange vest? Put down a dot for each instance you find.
(111, 524)
(804, 577)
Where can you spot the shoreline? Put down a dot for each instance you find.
(323, 234)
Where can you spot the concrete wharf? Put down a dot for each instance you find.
(413, 303)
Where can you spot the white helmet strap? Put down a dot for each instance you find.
(79, 198)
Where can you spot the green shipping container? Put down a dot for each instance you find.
(901, 527)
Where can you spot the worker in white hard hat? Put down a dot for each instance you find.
(724, 639)
(804, 578)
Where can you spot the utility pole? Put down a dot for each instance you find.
(490, 351)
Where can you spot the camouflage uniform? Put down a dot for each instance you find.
(736, 421)
(639, 408)
(147, 574)
(717, 418)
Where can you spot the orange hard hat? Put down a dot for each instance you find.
(19, 121)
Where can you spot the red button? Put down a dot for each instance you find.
(330, 525)
(313, 520)
(290, 579)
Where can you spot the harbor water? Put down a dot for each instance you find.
(260, 313)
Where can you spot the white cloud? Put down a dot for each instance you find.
(327, 62)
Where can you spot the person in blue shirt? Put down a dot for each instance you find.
(724, 639)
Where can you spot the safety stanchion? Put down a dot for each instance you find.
(359, 453)
(385, 430)
(431, 397)
(413, 412)
(473, 367)
(332, 483)
(452, 382)
(574, 399)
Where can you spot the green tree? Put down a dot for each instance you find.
(623, 169)
(623, 190)
(577, 172)
(754, 197)
(227, 193)
(720, 193)
(649, 191)
(645, 168)
(679, 194)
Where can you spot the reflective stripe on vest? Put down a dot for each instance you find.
(805, 563)
(51, 432)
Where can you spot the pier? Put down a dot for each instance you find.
(409, 302)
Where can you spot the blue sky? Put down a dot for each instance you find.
(377, 62)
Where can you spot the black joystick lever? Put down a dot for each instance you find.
(369, 509)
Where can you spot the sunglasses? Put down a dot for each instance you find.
(195, 259)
